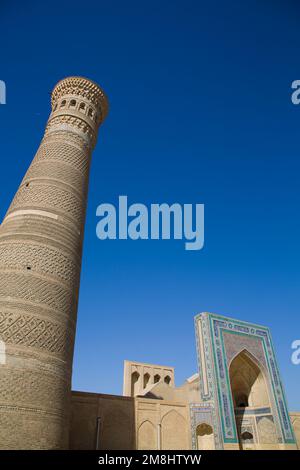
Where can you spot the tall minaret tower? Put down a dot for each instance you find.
(40, 259)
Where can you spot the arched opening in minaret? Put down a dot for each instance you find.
(249, 391)
(91, 113)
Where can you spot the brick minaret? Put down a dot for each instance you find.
(40, 259)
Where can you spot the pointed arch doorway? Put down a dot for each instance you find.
(249, 392)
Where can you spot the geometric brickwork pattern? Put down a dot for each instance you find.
(219, 339)
(35, 331)
(40, 260)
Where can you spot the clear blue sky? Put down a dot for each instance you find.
(200, 112)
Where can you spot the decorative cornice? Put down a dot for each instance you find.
(58, 122)
(80, 86)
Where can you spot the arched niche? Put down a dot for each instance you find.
(167, 380)
(146, 379)
(174, 432)
(147, 436)
(156, 378)
(248, 384)
(205, 437)
(135, 377)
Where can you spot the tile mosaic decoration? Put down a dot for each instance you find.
(219, 339)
